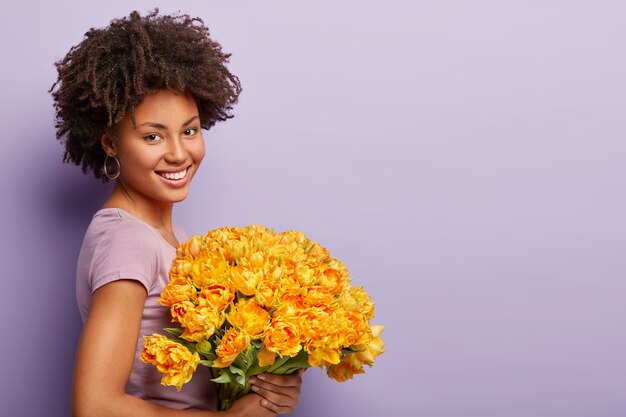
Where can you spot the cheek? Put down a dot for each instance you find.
(197, 152)
(141, 160)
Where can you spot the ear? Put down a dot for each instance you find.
(108, 144)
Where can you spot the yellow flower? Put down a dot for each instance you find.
(267, 294)
(358, 329)
(249, 316)
(256, 259)
(173, 360)
(199, 323)
(317, 296)
(333, 279)
(319, 252)
(316, 323)
(194, 245)
(352, 363)
(306, 276)
(246, 280)
(282, 337)
(321, 356)
(177, 290)
(288, 284)
(236, 249)
(356, 299)
(346, 369)
(290, 307)
(216, 296)
(266, 357)
(216, 270)
(181, 267)
(190, 248)
(233, 343)
(374, 348)
(179, 310)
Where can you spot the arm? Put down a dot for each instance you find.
(105, 355)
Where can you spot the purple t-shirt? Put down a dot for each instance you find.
(118, 245)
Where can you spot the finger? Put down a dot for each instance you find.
(290, 380)
(277, 394)
(278, 409)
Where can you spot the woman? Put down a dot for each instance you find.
(131, 100)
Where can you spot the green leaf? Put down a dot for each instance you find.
(240, 375)
(301, 360)
(246, 359)
(174, 331)
(277, 364)
(224, 378)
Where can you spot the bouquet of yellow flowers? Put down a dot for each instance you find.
(249, 300)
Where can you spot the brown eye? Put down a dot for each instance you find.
(152, 137)
(191, 131)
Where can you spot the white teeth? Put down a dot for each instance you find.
(174, 175)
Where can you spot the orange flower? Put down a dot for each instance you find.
(216, 296)
(333, 279)
(282, 337)
(249, 316)
(267, 293)
(216, 269)
(359, 332)
(190, 248)
(233, 343)
(374, 348)
(317, 296)
(291, 308)
(346, 368)
(356, 299)
(173, 360)
(246, 280)
(321, 356)
(199, 322)
(306, 276)
(266, 357)
(315, 324)
(319, 252)
(177, 290)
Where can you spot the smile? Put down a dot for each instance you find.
(176, 176)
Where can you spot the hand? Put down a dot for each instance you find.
(249, 406)
(280, 393)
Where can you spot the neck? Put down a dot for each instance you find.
(155, 213)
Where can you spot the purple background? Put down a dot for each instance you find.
(466, 160)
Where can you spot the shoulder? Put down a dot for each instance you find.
(119, 246)
(117, 222)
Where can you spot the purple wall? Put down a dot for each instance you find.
(466, 160)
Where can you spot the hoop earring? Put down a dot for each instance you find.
(106, 172)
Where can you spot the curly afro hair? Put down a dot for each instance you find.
(113, 69)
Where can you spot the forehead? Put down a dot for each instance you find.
(166, 105)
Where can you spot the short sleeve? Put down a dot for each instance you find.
(126, 250)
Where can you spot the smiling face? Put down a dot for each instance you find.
(160, 155)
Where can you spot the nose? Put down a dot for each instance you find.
(176, 151)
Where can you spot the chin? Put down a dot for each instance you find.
(180, 198)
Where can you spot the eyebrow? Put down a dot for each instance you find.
(161, 126)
